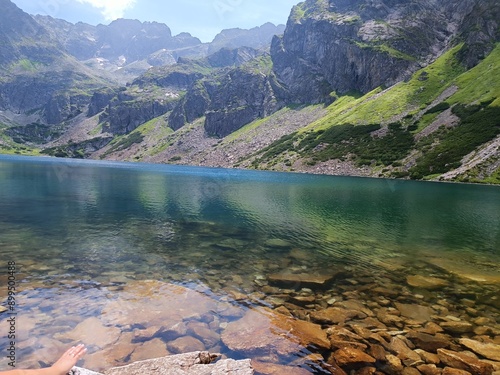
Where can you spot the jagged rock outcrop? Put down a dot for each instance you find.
(151, 95)
(100, 100)
(199, 95)
(341, 46)
(257, 37)
(124, 116)
(180, 76)
(193, 105)
(227, 57)
(243, 96)
(479, 30)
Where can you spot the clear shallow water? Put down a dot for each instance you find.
(87, 234)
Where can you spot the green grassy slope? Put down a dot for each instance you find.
(381, 128)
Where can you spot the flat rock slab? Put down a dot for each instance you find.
(196, 363)
(265, 331)
(417, 312)
(300, 278)
(426, 282)
(488, 350)
(465, 270)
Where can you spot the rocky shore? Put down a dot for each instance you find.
(297, 324)
(294, 310)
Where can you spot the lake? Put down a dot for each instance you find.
(139, 261)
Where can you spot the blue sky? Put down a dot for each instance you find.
(202, 18)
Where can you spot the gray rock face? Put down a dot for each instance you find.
(199, 95)
(342, 46)
(479, 29)
(100, 99)
(232, 57)
(192, 106)
(257, 37)
(125, 116)
(243, 97)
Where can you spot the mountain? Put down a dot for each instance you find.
(50, 68)
(128, 48)
(39, 79)
(385, 88)
(119, 46)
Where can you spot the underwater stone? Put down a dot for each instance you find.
(488, 350)
(301, 279)
(426, 282)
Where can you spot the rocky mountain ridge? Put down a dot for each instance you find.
(129, 47)
(412, 60)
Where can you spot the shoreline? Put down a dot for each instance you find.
(298, 172)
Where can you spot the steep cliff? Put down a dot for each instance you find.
(257, 37)
(199, 96)
(234, 105)
(337, 46)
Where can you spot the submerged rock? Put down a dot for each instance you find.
(457, 327)
(465, 362)
(350, 356)
(263, 330)
(334, 315)
(267, 368)
(417, 312)
(93, 332)
(427, 342)
(426, 282)
(300, 279)
(488, 350)
(149, 350)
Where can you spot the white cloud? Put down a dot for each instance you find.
(110, 9)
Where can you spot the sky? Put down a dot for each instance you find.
(202, 18)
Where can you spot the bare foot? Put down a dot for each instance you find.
(68, 359)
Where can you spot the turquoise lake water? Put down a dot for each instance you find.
(86, 229)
